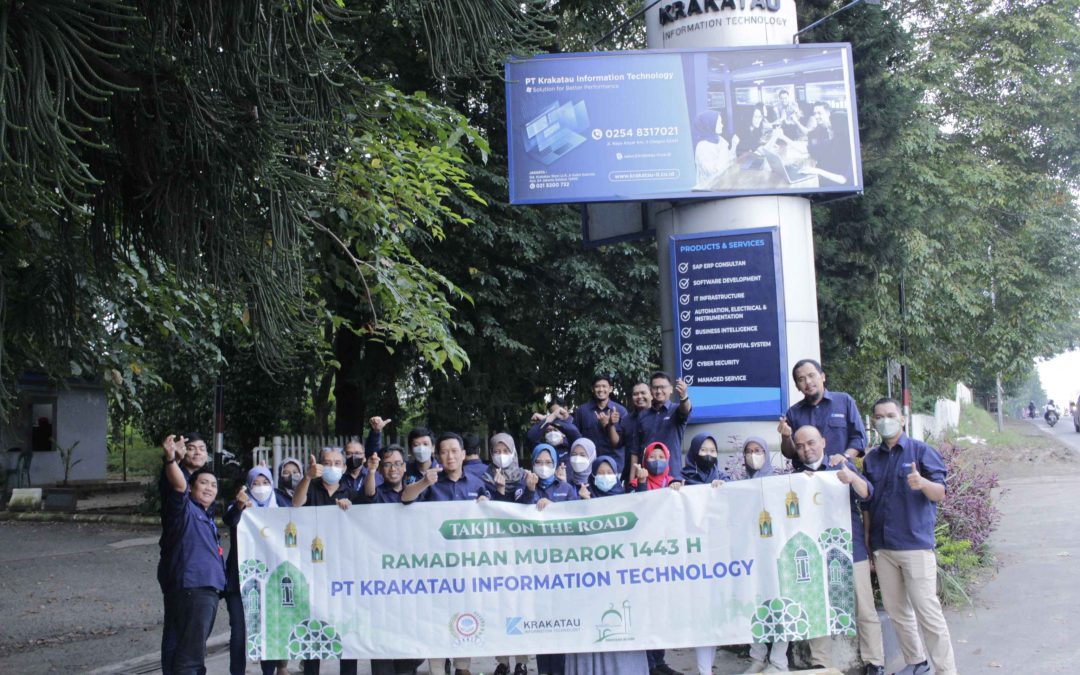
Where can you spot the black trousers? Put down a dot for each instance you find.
(195, 611)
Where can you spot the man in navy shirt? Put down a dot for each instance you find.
(600, 421)
(664, 421)
(640, 401)
(196, 567)
(834, 413)
(909, 481)
(810, 447)
(390, 464)
(557, 429)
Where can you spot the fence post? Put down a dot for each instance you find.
(276, 452)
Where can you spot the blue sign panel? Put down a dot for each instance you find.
(617, 126)
(727, 295)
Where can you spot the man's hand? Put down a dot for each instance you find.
(604, 418)
(378, 423)
(242, 499)
(615, 417)
(836, 459)
(536, 417)
(680, 389)
(481, 498)
(914, 480)
(851, 453)
(171, 447)
(314, 469)
(583, 491)
(562, 413)
(373, 464)
(784, 429)
(845, 474)
(344, 504)
(717, 483)
(542, 504)
(431, 476)
(560, 472)
(531, 479)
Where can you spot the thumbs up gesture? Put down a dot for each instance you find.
(314, 469)
(431, 476)
(844, 473)
(914, 480)
(378, 423)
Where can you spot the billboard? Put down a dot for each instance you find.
(618, 126)
(728, 295)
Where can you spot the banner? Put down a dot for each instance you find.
(754, 560)
(727, 295)
(618, 126)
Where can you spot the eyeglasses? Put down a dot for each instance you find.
(394, 465)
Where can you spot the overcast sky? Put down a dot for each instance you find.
(1060, 377)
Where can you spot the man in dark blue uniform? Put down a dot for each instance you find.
(833, 413)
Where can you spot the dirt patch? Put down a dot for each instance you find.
(1027, 452)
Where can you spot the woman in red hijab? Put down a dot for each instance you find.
(656, 473)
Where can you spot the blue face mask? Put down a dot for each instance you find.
(605, 481)
(656, 466)
(331, 475)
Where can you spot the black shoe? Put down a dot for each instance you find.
(664, 669)
(871, 669)
(502, 669)
(521, 669)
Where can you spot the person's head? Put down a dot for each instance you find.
(641, 396)
(260, 485)
(503, 451)
(888, 418)
(823, 114)
(553, 435)
(582, 454)
(605, 473)
(392, 465)
(421, 444)
(656, 458)
(601, 388)
(809, 444)
(195, 451)
(660, 387)
(451, 451)
(757, 118)
(203, 486)
(755, 454)
(1050, 402)
(333, 461)
(543, 461)
(290, 473)
(354, 455)
(555, 403)
(709, 125)
(784, 97)
(472, 444)
(703, 452)
(809, 378)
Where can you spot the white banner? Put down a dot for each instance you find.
(754, 560)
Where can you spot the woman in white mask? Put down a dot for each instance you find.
(504, 477)
(582, 455)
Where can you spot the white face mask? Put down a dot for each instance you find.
(888, 427)
(813, 466)
(261, 492)
(544, 471)
(502, 459)
(579, 463)
(605, 481)
(422, 453)
(755, 461)
(331, 475)
(554, 437)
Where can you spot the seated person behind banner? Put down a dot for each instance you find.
(195, 569)
(355, 472)
(557, 429)
(545, 483)
(420, 446)
(290, 472)
(810, 448)
(713, 154)
(582, 455)
(828, 147)
(605, 480)
(701, 462)
(390, 465)
(503, 476)
(656, 473)
(257, 492)
(473, 463)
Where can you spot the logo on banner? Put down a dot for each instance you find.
(614, 624)
(467, 628)
(519, 625)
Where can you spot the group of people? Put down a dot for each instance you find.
(601, 449)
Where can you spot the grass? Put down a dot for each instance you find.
(978, 423)
(144, 459)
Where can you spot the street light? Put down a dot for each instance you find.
(795, 37)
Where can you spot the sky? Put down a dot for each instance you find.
(1060, 377)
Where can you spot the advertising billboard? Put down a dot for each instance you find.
(728, 295)
(618, 126)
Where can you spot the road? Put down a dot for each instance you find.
(1062, 431)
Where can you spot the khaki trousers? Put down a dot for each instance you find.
(908, 581)
(866, 622)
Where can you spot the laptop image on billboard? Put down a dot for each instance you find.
(789, 172)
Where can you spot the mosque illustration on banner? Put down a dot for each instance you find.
(277, 606)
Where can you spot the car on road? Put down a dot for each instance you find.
(1076, 415)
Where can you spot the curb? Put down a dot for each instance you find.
(60, 517)
(151, 663)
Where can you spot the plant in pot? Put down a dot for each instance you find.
(64, 498)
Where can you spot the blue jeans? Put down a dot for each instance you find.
(196, 609)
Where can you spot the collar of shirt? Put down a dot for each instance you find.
(824, 397)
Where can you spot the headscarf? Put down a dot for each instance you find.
(544, 447)
(255, 472)
(660, 480)
(582, 478)
(692, 473)
(513, 473)
(705, 126)
(766, 468)
(610, 461)
(281, 485)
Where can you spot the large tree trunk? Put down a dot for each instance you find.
(365, 386)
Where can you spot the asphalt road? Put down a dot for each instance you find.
(1062, 431)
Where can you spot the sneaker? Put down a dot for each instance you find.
(664, 669)
(502, 669)
(755, 666)
(921, 668)
(521, 669)
(871, 669)
(774, 668)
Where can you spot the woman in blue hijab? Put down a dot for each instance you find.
(545, 483)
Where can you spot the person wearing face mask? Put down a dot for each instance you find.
(600, 420)
(909, 482)
(756, 459)
(556, 429)
(546, 483)
(810, 448)
(257, 492)
(702, 466)
(355, 469)
(605, 480)
(290, 473)
(190, 457)
(834, 413)
(581, 457)
(656, 472)
(503, 477)
(421, 448)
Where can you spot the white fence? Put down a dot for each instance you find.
(280, 448)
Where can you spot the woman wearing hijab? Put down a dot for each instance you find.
(504, 477)
(712, 154)
(604, 481)
(290, 473)
(701, 462)
(656, 473)
(581, 458)
(759, 465)
(257, 492)
(546, 484)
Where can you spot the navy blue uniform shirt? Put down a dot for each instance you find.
(384, 494)
(902, 519)
(665, 424)
(196, 558)
(318, 496)
(586, 422)
(466, 488)
(557, 491)
(837, 418)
